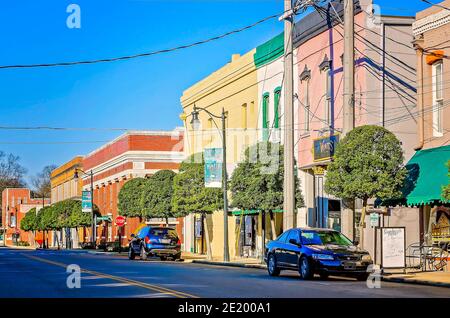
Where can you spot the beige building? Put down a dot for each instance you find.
(63, 187)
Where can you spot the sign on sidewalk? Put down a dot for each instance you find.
(86, 201)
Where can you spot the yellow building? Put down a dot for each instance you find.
(63, 187)
(234, 89)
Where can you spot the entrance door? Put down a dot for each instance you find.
(321, 202)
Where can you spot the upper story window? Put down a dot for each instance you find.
(325, 68)
(438, 99)
(244, 116)
(276, 110)
(265, 115)
(305, 78)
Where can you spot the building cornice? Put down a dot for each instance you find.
(431, 22)
(139, 156)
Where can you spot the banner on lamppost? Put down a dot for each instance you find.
(86, 201)
(213, 167)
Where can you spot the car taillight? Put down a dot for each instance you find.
(147, 240)
(179, 242)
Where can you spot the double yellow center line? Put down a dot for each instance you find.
(151, 287)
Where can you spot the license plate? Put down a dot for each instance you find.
(349, 265)
(165, 241)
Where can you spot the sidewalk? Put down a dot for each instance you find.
(239, 262)
(440, 279)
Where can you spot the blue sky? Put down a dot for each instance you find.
(139, 94)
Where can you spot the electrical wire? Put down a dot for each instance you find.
(134, 56)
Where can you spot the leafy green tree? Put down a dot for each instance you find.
(257, 181)
(129, 199)
(44, 222)
(189, 192)
(368, 163)
(157, 195)
(446, 189)
(28, 223)
(191, 196)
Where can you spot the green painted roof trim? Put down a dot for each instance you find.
(269, 51)
(427, 174)
(249, 212)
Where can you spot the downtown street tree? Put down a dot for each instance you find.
(257, 181)
(28, 223)
(129, 199)
(157, 196)
(368, 163)
(191, 196)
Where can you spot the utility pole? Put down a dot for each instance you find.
(289, 183)
(348, 103)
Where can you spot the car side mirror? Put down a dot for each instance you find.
(294, 242)
(132, 236)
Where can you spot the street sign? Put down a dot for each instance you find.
(213, 167)
(120, 221)
(86, 201)
(374, 219)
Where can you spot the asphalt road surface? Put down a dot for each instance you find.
(36, 274)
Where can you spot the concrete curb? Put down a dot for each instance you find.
(230, 264)
(414, 281)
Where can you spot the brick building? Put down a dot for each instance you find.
(16, 202)
(133, 154)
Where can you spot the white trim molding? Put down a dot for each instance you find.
(431, 22)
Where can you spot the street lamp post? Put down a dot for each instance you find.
(195, 122)
(91, 175)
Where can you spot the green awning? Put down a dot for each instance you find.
(249, 212)
(427, 174)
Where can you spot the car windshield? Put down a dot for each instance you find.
(324, 238)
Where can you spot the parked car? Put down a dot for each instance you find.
(162, 242)
(314, 250)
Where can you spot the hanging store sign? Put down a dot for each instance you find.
(324, 147)
(213, 167)
(86, 201)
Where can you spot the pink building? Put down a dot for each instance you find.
(384, 95)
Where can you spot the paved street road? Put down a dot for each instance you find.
(26, 273)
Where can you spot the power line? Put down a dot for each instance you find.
(129, 57)
(436, 5)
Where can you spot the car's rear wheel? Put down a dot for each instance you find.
(176, 257)
(304, 268)
(163, 258)
(144, 255)
(131, 254)
(272, 266)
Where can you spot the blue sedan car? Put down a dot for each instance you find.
(162, 242)
(321, 251)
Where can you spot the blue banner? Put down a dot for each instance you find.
(86, 201)
(213, 167)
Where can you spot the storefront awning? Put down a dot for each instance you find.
(427, 174)
(250, 212)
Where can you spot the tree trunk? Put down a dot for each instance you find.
(167, 221)
(272, 226)
(361, 223)
(57, 242)
(208, 242)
